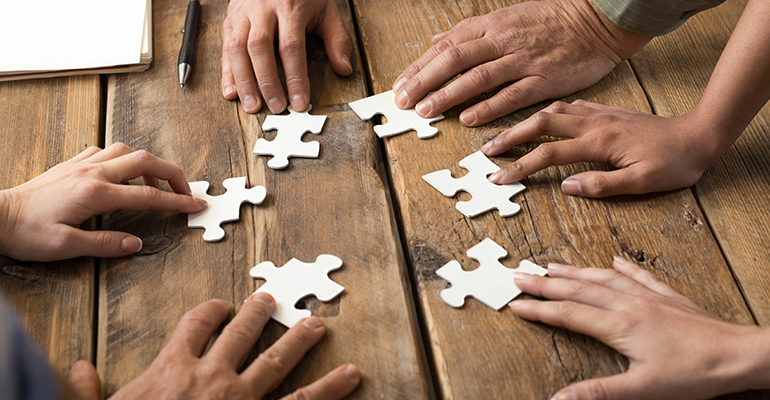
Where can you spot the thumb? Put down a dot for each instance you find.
(622, 386)
(85, 380)
(339, 48)
(100, 244)
(598, 184)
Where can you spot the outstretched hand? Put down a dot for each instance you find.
(540, 49)
(248, 57)
(653, 153)
(676, 349)
(39, 219)
(182, 371)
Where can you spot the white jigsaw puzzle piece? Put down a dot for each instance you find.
(485, 194)
(288, 141)
(399, 121)
(296, 280)
(491, 283)
(224, 208)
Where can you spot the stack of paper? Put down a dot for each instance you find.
(45, 38)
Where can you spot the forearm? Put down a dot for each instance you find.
(740, 84)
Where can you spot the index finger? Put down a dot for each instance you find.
(139, 163)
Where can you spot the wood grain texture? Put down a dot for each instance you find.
(476, 350)
(674, 71)
(42, 123)
(336, 204)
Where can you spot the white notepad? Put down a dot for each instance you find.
(43, 38)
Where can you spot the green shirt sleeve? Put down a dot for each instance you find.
(652, 17)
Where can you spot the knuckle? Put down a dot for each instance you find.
(454, 56)
(575, 289)
(480, 76)
(142, 156)
(601, 185)
(302, 394)
(121, 146)
(258, 44)
(546, 151)
(273, 360)
(513, 95)
(235, 45)
(240, 333)
(196, 319)
(290, 45)
(61, 239)
(597, 390)
(557, 107)
(150, 193)
(210, 372)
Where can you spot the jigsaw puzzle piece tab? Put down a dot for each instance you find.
(485, 195)
(288, 142)
(224, 208)
(295, 281)
(399, 121)
(491, 283)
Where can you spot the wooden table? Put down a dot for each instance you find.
(364, 201)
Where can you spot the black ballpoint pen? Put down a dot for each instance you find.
(187, 51)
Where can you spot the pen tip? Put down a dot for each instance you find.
(181, 85)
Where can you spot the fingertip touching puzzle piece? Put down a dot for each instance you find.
(295, 281)
(288, 141)
(224, 208)
(491, 283)
(485, 194)
(399, 121)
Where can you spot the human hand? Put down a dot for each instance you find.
(181, 371)
(676, 349)
(547, 49)
(39, 219)
(653, 153)
(247, 50)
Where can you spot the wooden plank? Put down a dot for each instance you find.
(475, 349)
(42, 123)
(336, 204)
(728, 191)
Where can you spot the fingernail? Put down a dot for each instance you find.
(497, 176)
(189, 189)
(488, 146)
(402, 99)
(275, 105)
(131, 244)
(569, 395)
(249, 103)
(77, 367)
(313, 323)
(520, 276)
(620, 259)
(515, 304)
(399, 84)
(352, 372)
(263, 297)
(424, 108)
(346, 61)
(229, 89)
(553, 267)
(468, 117)
(298, 102)
(572, 187)
(201, 202)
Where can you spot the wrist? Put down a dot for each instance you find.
(619, 43)
(713, 132)
(7, 220)
(748, 360)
